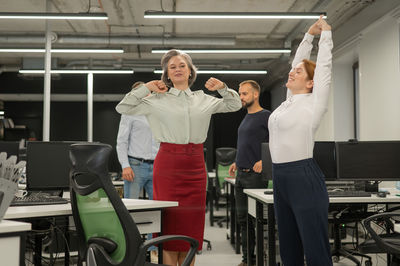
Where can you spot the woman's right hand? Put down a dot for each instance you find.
(157, 86)
(315, 28)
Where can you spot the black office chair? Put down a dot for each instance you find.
(107, 233)
(387, 242)
(224, 157)
(345, 215)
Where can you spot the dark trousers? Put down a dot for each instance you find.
(245, 180)
(301, 206)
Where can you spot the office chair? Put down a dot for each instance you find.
(224, 157)
(344, 215)
(388, 242)
(107, 233)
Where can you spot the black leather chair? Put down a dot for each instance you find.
(344, 215)
(107, 233)
(386, 241)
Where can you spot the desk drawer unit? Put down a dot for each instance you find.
(147, 221)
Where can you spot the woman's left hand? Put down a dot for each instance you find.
(214, 84)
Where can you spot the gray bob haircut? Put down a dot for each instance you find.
(164, 64)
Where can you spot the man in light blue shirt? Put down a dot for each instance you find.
(136, 150)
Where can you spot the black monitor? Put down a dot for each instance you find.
(10, 147)
(266, 162)
(368, 160)
(324, 155)
(47, 165)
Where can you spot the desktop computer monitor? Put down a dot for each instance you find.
(10, 147)
(48, 165)
(324, 155)
(368, 160)
(266, 172)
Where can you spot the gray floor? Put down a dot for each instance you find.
(222, 253)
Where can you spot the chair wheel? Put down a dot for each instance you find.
(199, 252)
(335, 258)
(209, 246)
(368, 263)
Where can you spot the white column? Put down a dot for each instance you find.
(90, 107)
(47, 81)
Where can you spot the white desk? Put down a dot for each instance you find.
(257, 198)
(146, 214)
(12, 242)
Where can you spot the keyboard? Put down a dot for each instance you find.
(37, 200)
(349, 193)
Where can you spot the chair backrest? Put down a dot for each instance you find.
(98, 210)
(224, 157)
(387, 246)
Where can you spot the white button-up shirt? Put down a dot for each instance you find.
(178, 116)
(293, 124)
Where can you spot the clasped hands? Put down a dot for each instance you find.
(319, 26)
(159, 86)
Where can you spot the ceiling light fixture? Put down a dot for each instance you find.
(225, 51)
(46, 15)
(77, 71)
(250, 72)
(235, 15)
(39, 50)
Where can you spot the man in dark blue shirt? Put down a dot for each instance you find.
(251, 133)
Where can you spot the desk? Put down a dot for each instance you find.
(12, 242)
(146, 213)
(231, 215)
(257, 199)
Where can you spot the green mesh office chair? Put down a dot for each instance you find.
(107, 233)
(224, 157)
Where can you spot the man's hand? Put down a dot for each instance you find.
(232, 170)
(214, 84)
(128, 174)
(257, 167)
(157, 86)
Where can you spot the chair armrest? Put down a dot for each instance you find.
(108, 245)
(379, 242)
(158, 240)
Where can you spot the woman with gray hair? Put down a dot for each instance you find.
(179, 119)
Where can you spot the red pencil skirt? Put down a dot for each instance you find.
(179, 174)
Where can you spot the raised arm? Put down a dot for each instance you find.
(323, 73)
(133, 104)
(230, 101)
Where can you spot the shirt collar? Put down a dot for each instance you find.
(176, 92)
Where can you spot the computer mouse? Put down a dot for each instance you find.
(381, 194)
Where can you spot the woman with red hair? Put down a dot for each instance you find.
(300, 196)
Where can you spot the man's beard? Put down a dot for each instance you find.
(247, 104)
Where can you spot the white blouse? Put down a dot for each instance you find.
(178, 116)
(293, 124)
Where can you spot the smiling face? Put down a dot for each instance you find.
(178, 71)
(298, 80)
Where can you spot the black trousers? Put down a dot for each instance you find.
(301, 207)
(245, 180)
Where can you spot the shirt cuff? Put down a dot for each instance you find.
(325, 34)
(141, 92)
(125, 165)
(308, 37)
(223, 91)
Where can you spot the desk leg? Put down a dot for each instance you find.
(37, 258)
(211, 208)
(66, 252)
(232, 219)
(259, 234)
(271, 235)
(248, 246)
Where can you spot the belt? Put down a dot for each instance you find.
(141, 160)
(246, 170)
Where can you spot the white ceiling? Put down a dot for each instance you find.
(127, 28)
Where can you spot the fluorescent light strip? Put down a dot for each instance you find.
(227, 51)
(35, 15)
(39, 50)
(235, 15)
(1, 112)
(257, 72)
(76, 71)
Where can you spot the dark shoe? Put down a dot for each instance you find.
(243, 264)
